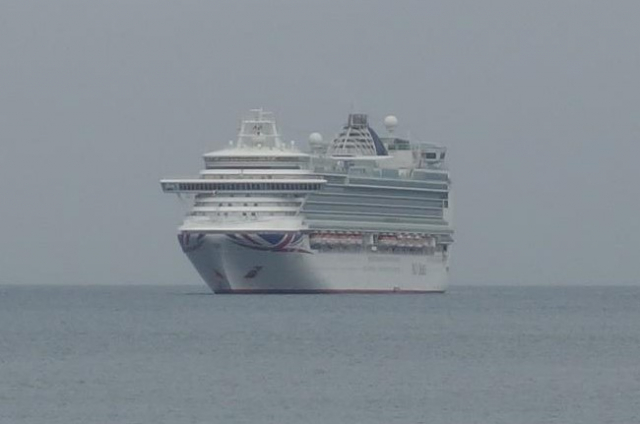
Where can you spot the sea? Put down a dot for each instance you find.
(179, 354)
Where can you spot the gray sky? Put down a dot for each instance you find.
(538, 102)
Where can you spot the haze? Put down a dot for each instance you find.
(538, 103)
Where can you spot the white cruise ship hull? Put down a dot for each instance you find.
(360, 214)
(231, 267)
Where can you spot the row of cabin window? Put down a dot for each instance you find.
(210, 204)
(432, 155)
(246, 186)
(243, 214)
(257, 159)
(208, 196)
(255, 177)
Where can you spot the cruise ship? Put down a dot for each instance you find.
(361, 213)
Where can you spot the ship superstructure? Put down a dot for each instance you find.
(362, 213)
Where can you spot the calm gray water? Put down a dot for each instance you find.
(180, 355)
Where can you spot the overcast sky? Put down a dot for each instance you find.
(537, 101)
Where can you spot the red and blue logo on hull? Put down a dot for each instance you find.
(283, 242)
(190, 242)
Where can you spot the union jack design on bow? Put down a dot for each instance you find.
(287, 242)
(190, 242)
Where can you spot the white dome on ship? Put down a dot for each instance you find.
(315, 138)
(390, 122)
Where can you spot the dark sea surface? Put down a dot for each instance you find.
(181, 355)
